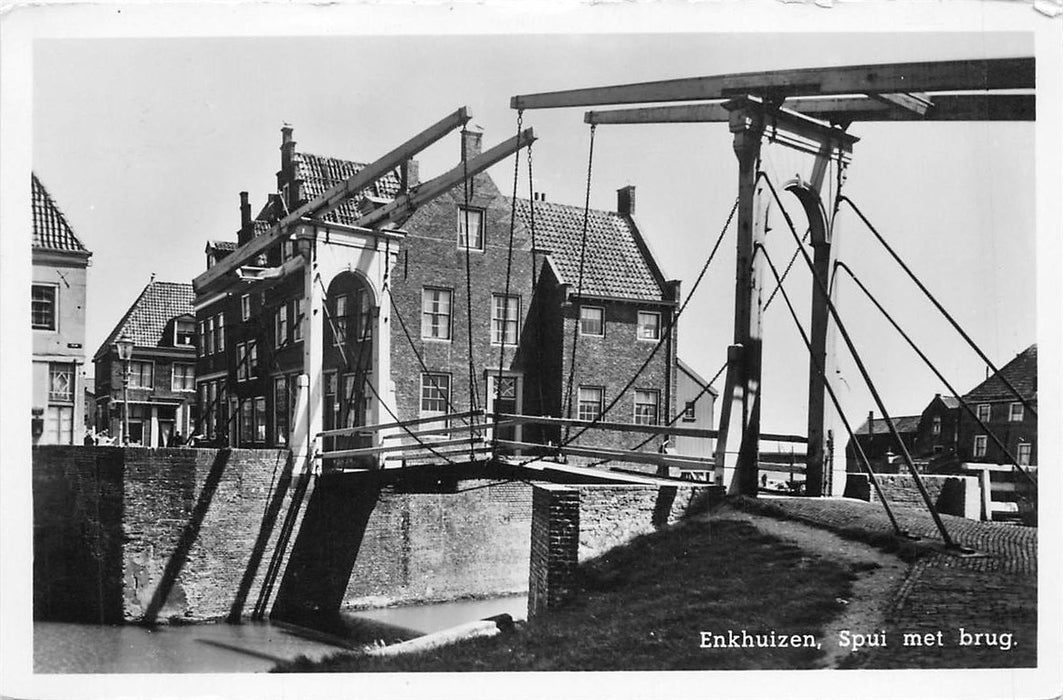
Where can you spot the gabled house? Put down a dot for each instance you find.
(697, 400)
(1003, 413)
(60, 267)
(520, 334)
(879, 446)
(161, 374)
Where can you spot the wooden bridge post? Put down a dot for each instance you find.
(307, 422)
(741, 407)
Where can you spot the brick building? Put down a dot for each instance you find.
(1003, 414)
(161, 391)
(945, 435)
(251, 348)
(60, 271)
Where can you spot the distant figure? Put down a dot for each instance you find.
(104, 438)
(176, 440)
(90, 438)
(763, 481)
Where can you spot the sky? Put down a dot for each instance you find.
(146, 143)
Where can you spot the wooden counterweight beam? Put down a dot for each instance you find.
(886, 78)
(406, 203)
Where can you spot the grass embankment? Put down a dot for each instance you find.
(644, 605)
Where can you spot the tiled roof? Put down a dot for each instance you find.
(319, 173)
(50, 229)
(904, 424)
(146, 319)
(1021, 372)
(227, 246)
(614, 264)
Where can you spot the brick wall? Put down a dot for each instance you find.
(430, 257)
(153, 534)
(555, 535)
(952, 495)
(142, 534)
(575, 523)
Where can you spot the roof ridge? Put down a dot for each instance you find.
(37, 187)
(577, 207)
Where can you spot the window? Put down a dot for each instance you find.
(649, 325)
(247, 422)
(43, 307)
(59, 425)
(983, 412)
(141, 375)
(363, 327)
(1015, 413)
(281, 411)
(935, 428)
(470, 228)
(211, 410)
(184, 333)
(260, 418)
(591, 320)
(210, 335)
(979, 445)
(61, 382)
(590, 402)
(339, 320)
(435, 313)
(1023, 456)
(184, 377)
(505, 318)
(645, 407)
(690, 412)
(246, 360)
(298, 311)
(219, 333)
(245, 307)
(332, 405)
(202, 344)
(435, 393)
(281, 325)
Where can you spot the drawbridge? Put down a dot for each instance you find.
(808, 111)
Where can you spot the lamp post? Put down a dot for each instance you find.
(125, 353)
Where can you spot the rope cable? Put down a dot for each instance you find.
(579, 283)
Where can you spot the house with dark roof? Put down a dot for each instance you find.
(457, 288)
(879, 445)
(60, 271)
(159, 388)
(697, 400)
(1003, 414)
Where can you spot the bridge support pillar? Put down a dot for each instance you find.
(554, 546)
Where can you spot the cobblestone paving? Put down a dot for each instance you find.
(992, 592)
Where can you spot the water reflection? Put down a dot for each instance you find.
(252, 647)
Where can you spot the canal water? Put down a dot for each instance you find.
(252, 647)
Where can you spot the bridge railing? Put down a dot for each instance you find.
(473, 435)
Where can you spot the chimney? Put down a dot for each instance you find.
(287, 149)
(245, 212)
(471, 141)
(411, 174)
(625, 200)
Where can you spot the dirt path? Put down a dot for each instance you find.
(880, 575)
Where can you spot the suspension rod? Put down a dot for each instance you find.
(863, 460)
(934, 369)
(937, 304)
(866, 375)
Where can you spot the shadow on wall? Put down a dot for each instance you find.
(326, 548)
(188, 537)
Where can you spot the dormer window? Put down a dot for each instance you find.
(184, 333)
